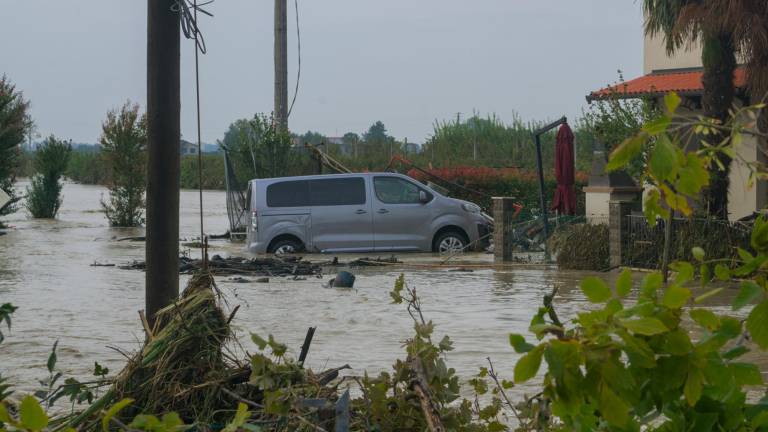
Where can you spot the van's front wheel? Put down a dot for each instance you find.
(286, 246)
(450, 242)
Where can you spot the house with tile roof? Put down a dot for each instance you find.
(682, 73)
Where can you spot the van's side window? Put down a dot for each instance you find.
(288, 194)
(338, 191)
(393, 190)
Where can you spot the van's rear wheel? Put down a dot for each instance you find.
(286, 246)
(450, 242)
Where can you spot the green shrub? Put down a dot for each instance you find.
(87, 168)
(44, 196)
(14, 126)
(213, 172)
(124, 143)
(581, 246)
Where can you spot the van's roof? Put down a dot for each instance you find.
(325, 176)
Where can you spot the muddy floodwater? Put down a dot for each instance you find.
(45, 270)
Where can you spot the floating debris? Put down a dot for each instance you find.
(374, 262)
(343, 279)
(219, 266)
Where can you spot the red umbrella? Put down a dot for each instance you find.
(565, 196)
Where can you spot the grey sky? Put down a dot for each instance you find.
(404, 62)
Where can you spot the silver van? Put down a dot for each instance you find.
(359, 213)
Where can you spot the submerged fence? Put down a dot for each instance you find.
(643, 244)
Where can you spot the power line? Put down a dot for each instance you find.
(298, 69)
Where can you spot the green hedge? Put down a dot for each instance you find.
(581, 246)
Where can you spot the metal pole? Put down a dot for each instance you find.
(542, 198)
(281, 64)
(163, 160)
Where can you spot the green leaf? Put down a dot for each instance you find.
(4, 416)
(692, 176)
(528, 365)
(650, 284)
(662, 162)
(705, 318)
(677, 342)
(748, 293)
(746, 374)
(757, 324)
(693, 386)
(626, 151)
(646, 326)
(624, 283)
(240, 418)
(658, 126)
(759, 239)
(735, 353)
(684, 271)
(672, 102)
(675, 297)
(744, 255)
(32, 415)
(519, 344)
(595, 289)
(651, 207)
(51, 363)
(698, 253)
(112, 411)
(259, 341)
(613, 408)
(722, 272)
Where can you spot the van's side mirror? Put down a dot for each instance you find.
(423, 197)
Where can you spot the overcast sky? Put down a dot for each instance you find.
(404, 62)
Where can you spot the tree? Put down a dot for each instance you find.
(44, 196)
(14, 125)
(683, 22)
(124, 146)
(259, 149)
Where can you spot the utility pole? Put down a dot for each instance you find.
(163, 141)
(281, 64)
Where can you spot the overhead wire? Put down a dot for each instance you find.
(188, 15)
(298, 69)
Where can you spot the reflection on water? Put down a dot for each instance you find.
(45, 270)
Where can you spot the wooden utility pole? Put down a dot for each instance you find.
(163, 160)
(281, 64)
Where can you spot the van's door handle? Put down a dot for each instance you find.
(361, 211)
(382, 211)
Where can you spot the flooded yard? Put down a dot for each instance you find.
(45, 270)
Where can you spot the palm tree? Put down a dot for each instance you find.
(683, 22)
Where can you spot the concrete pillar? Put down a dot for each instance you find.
(618, 224)
(503, 216)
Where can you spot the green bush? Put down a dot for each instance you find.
(14, 126)
(44, 196)
(87, 168)
(124, 140)
(213, 172)
(581, 246)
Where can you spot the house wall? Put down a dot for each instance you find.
(655, 56)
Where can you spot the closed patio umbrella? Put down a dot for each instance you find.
(564, 201)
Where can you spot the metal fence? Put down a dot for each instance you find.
(643, 244)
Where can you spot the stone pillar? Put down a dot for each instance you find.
(503, 215)
(618, 224)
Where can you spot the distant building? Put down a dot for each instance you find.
(187, 148)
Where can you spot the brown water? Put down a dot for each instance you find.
(45, 271)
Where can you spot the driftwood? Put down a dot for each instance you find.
(233, 266)
(420, 386)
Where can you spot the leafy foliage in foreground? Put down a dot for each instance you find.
(631, 366)
(44, 196)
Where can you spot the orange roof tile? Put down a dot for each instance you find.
(658, 83)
